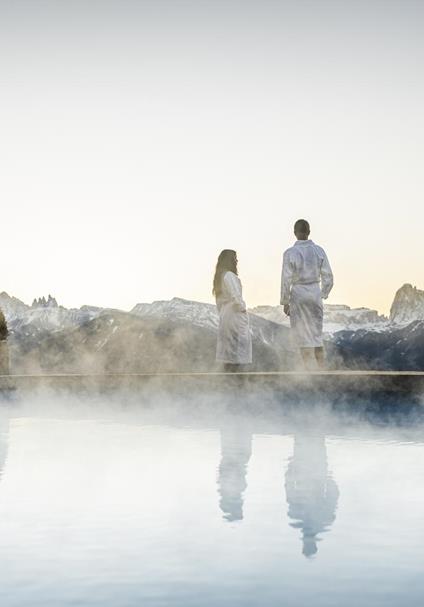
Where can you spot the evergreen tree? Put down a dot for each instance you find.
(3, 327)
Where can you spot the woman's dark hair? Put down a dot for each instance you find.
(227, 262)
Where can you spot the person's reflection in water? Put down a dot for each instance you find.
(311, 492)
(236, 449)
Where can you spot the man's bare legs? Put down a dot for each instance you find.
(320, 358)
(232, 368)
(313, 358)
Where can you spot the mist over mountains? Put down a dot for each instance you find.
(180, 335)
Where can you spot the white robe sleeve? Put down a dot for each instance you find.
(233, 284)
(286, 280)
(326, 278)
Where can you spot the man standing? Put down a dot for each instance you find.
(306, 280)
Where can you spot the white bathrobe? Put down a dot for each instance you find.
(234, 340)
(306, 280)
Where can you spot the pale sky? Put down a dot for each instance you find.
(139, 138)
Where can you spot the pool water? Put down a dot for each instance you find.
(112, 505)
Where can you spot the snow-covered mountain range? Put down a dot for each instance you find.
(336, 318)
(195, 312)
(47, 336)
(44, 315)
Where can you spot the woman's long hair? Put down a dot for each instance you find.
(227, 262)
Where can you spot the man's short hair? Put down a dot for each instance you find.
(302, 227)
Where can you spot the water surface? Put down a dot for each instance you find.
(106, 504)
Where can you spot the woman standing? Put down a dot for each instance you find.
(234, 347)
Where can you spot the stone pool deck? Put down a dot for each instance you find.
(289, 384)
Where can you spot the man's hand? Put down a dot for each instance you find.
(286, 309)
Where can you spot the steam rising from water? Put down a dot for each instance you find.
(205, 498)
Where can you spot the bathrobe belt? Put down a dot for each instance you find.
(310, 282)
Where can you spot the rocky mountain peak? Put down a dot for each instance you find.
(12, 306)
(408, 305)
(42, 302)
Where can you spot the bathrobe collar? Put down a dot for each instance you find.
(303, 242)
